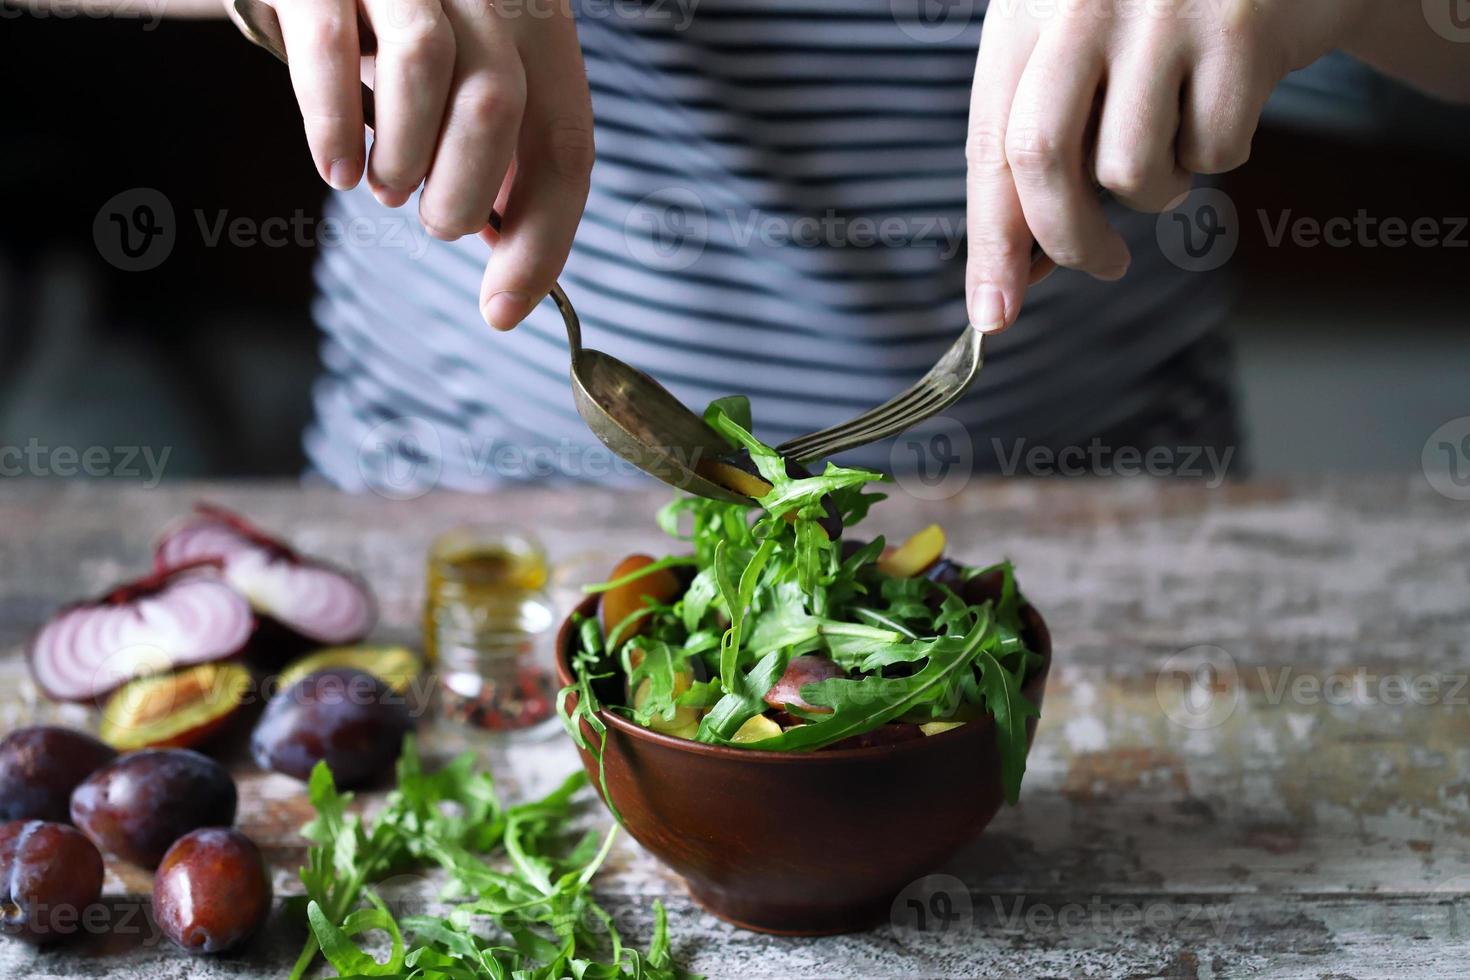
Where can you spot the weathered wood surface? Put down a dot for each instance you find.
(1300, 809)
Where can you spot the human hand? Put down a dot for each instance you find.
(1136, 95)
(486, 109)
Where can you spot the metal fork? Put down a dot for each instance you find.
(930, 395)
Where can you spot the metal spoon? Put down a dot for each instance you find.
(632, 414)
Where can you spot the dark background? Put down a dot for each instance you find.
(1349, 357)
(213, 352)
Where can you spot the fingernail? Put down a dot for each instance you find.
(506, 308)
(987, 309)
(342, 174)
(391, 197)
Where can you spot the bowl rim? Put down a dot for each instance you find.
(769, 757)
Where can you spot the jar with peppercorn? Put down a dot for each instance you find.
(485, 618)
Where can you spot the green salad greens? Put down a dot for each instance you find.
(520, 882)
(767, 594)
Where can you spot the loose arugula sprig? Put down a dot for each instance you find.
(546, 924)
(771, 585)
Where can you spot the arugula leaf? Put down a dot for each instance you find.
(671, 561)
(1002, 691)
(697, 598)
(337, 945)
(546, 924)
(346, 856)
(786, 625)
(659, 669)
(862, 704)
(794, 494)
(588, 667)
(737, 601)
(734, 407)
(745, 702)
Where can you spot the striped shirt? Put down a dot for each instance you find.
(777, 210)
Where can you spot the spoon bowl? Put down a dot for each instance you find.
(638, 419)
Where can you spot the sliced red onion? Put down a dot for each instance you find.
(310, 598)
(168, 620)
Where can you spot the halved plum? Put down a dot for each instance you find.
(395, 666)
(738, 473)
(177, 710)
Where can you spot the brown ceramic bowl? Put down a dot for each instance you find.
(803, 844)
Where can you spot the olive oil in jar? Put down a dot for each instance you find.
(486, 612)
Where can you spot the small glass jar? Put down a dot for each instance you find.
(485, 618)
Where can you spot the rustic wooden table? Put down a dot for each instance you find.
(1254, 761)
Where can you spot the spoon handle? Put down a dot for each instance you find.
(259, 23)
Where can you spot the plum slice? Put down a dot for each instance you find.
(169, 619)
(757, 728)
(809, 668)
(397, 667)
(738, 473)
(685, 723)
(174, 710)
(621, 602)
(302, 601)
(916, 555)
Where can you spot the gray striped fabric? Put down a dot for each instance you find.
(777, 210)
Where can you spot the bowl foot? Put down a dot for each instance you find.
(786, 918)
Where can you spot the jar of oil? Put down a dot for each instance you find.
(486, 613)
